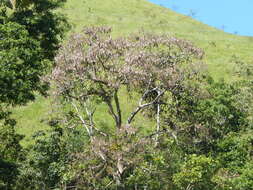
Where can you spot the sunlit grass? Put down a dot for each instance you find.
(31, 118)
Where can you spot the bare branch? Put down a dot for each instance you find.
(157, 123)
(111, 111)
(142, 106)
(116, 99)
(81, 118)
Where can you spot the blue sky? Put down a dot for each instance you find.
(233, 16)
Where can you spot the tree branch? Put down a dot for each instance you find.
(157, 123)
(142, 106)
(111, 111)
(81, 118)
(116, 99)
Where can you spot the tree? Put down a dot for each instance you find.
(43, 23)
(93, 67)
(21, 65)
(30, 34)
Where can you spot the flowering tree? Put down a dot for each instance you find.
(93, 67)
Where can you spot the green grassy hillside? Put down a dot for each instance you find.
(134, 15)
(127, 16)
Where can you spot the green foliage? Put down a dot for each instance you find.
(30, 34)
(51, 161)
(235, 157)
(235, 150)
(206, 111)
(196, 173)
(43, 24)
(157, 168)
(2, 13)
(21, 65)
(220, 109)
(45, 162)
(245, 180)
(8, 174)
(10, 151)
(9, 145)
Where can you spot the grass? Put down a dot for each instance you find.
(30, 118)
(129, 16)
(134, 15)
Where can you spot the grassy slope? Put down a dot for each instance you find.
(127, 16)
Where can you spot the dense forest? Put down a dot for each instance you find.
(132, 110)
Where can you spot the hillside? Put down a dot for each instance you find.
(134, 15)
(127, 16)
